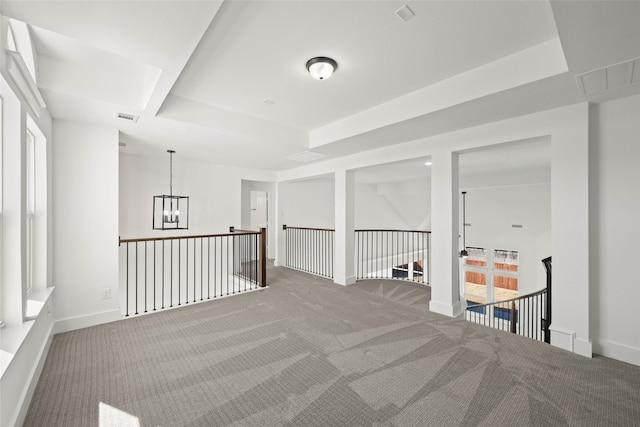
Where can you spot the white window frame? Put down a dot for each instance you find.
(30, 167)
(490, 273)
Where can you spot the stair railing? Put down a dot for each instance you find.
(393, 254)
(164, 272)
(523, 315)
(310, 249)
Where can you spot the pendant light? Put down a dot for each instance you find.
(170, 212)
(463, 252)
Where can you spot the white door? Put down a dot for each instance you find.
(258, 208)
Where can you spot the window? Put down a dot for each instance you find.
(490, 275)
(505, 277)
(1, 186)
(475, 275)
(31, 207)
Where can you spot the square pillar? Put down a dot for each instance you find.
(445, 287)
(344, 251)
(570, 228)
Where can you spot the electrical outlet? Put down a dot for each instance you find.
(106, 293)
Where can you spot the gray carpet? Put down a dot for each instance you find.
(306, 352)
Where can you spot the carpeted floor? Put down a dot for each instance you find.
(306, 352)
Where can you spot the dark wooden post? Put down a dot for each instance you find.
(546, 322)
(513, 317)
(263, 257)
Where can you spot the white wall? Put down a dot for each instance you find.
(85, 223)
(401, 206)
(307, 203)
(215, 193)
(615, 232)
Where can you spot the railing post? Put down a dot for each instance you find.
(263, 257)
(513, 317)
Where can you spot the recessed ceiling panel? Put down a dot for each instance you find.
(258, 50)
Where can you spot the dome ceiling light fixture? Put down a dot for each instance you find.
(321, 67)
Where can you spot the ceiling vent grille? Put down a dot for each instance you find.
(405, 13)
(609, 78)
(306, 157)
(128, 117)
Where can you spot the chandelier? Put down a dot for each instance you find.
(170, 212)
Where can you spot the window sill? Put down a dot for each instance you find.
(13, 336)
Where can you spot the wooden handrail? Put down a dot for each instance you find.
(541, 291)
(397, 231)
(286, 227)
(232, 229)
(197, 236)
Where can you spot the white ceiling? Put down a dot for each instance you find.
(198, 72)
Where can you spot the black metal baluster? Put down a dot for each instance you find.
(154, 274)
(236, 255)
(163, 274)
(171, 275)
(215, 265)
(127, 284)
(201, 271)
(331, 248)
(136, 278)
(186, 267)
(375, 254)
(145, 276)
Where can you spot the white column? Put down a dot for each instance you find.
(280, 251)
(570, 240)
(344, 262)
(445, 287)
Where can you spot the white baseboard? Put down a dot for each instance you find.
(568, 340)
(451, 310)
(344, 281)
(583, 347)
(617, 351)
(562, 338)
(71, 324)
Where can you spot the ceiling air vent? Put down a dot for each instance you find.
(128, 117)
(306, 156)
(405, 13)
(608, 78)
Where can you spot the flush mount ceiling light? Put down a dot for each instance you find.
(170, 212)
(321, 67)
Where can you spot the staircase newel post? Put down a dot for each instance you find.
(513, 317)
(263, 257)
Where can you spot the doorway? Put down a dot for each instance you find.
(259, 208)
